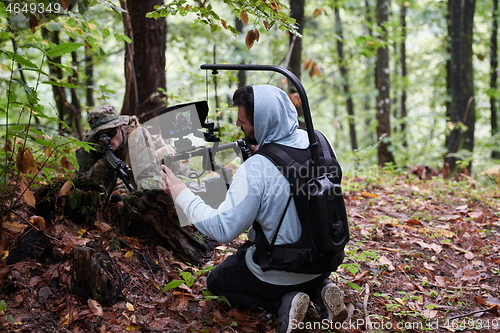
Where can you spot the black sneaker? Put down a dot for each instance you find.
(330, 300)
(292, 310)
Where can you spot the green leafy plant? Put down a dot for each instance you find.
(207, 295)
(267, 13)
(30, 155)
(3, 308)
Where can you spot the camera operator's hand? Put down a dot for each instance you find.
(174, 185)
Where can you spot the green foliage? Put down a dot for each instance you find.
(187, 278)
(34, 153)
(266, 13)
(207, 295)
(3, 308)
(172, 285)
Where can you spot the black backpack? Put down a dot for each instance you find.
(320, 207)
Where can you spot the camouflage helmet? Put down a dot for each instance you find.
(104, 117)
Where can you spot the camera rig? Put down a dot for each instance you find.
(190, 118)
(177, 122)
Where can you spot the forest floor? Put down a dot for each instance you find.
(424, 255)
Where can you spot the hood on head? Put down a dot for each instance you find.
(275, 116)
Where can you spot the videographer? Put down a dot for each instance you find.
(120, 132)
(260, 192)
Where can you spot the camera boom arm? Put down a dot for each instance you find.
(313, 144)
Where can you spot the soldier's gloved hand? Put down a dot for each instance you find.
(99, 170)
(115, 197)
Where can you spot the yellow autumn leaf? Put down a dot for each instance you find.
(129, 254)
(370, 195)
(400, 301)
(132, 327)
(28, 195)
(129, 306)
(5, 255)
(66, 319)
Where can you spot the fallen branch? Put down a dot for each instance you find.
(474, 312)
(368, 323)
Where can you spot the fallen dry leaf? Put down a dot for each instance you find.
(383, 260)
(429, 313)
(433, 246)
(441, 280)
(129, 306)
(65, 189)
(95, 307)
(28, 195)
(38, 221)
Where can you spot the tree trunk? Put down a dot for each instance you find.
(242, 75)
(149, 215)
(493, 79)
(461, 109)
(59, 94)
(404, 72)
(94, 275)
(367, 29)
(75, 106)
(383, 86)
(144, 59)
(295, 61)
(89, 73)
(345, 78)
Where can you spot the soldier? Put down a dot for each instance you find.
(129, 142)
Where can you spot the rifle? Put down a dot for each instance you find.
(119, 167)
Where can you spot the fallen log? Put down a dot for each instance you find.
(150, 215)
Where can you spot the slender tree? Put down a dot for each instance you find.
(367, 101)
(494, 77)
(461, 109)
(144, 59)
(383, 85)
(404, 71)
(295, 60)
(242, 75)
(89, 74)
(344, 72)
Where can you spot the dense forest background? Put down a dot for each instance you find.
(406, 91)
(388, 81)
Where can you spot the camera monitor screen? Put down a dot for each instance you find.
(180, 120)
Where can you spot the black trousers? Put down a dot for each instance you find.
(232, 279)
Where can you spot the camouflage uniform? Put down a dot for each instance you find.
(137, 147)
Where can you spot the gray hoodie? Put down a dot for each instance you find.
(259, 191)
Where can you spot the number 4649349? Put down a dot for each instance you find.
(32, 8)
